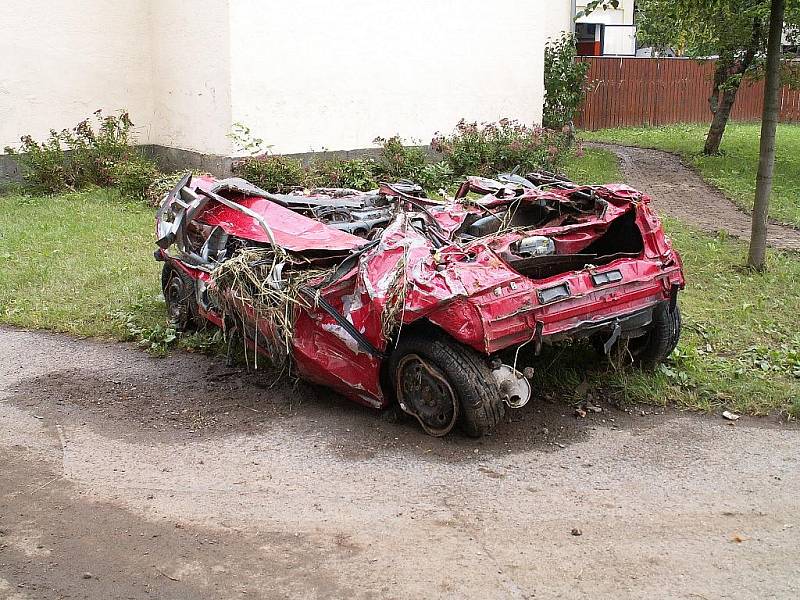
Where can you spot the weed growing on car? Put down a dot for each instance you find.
(246, 280)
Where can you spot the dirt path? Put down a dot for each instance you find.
(126, 476)
(680, 192)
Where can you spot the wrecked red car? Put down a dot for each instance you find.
(389, 297)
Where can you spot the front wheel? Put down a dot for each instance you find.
(443, 383)
(179, 296)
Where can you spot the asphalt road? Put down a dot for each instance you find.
(126, 476)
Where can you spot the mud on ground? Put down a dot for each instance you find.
(127, 476)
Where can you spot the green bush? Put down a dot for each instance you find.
(355, 173)
(434, 176)
(274, 173)
(135, 175)
(87, 154)
(564, 82)
(42, 164)
(163, 183)
(398, 161)
(491, 148)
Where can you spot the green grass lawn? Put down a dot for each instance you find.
(595, 166)
(82, 263)
(78, 263)
(734, 172)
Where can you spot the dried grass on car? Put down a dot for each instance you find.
(267, 285)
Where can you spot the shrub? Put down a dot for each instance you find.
(564, 82)
(356, 173)
(163, 183)
(42, 164)
(398, 161)
(435, 176)
(274, 173)
(87, 154)
(491, 148)
(135, 175)
(95, 153)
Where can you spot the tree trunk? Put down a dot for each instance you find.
(726, 85)
(769, 123)
(720, 120)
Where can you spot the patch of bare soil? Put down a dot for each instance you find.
(680, 192)
(191, 397)
(126, 476)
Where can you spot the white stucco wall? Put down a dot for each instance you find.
(309, 74)
(62, 60)
(303, 74)
(191, 75)
(619, 16)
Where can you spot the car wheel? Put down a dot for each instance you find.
(662, 338)
(443, 383)
(653, 348)
(179, 296)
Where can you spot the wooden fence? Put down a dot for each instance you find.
(649, 91)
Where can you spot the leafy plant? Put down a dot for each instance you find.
(398, 161)
(491, 148)
(274, 173)
(434, 176)
(356, 173)
(564, 82)
(87, 154)
(42, 163)
(135, 175)
(242, 136)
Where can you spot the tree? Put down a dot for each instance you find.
(734, 31)
(756, 258)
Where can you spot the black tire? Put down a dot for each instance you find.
(479, 408)
(179, 295)
(653, 348)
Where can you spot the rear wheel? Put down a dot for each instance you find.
(179, 296)
(661, 339)
(652, 348)
(443, 383)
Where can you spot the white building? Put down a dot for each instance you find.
(606, 32)
(302, 74)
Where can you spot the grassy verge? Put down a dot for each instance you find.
(82, 263)
(595, 166)
(734, 172)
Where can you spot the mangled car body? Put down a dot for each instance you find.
(388, 296)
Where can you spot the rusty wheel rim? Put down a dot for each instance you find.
(424, 392)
